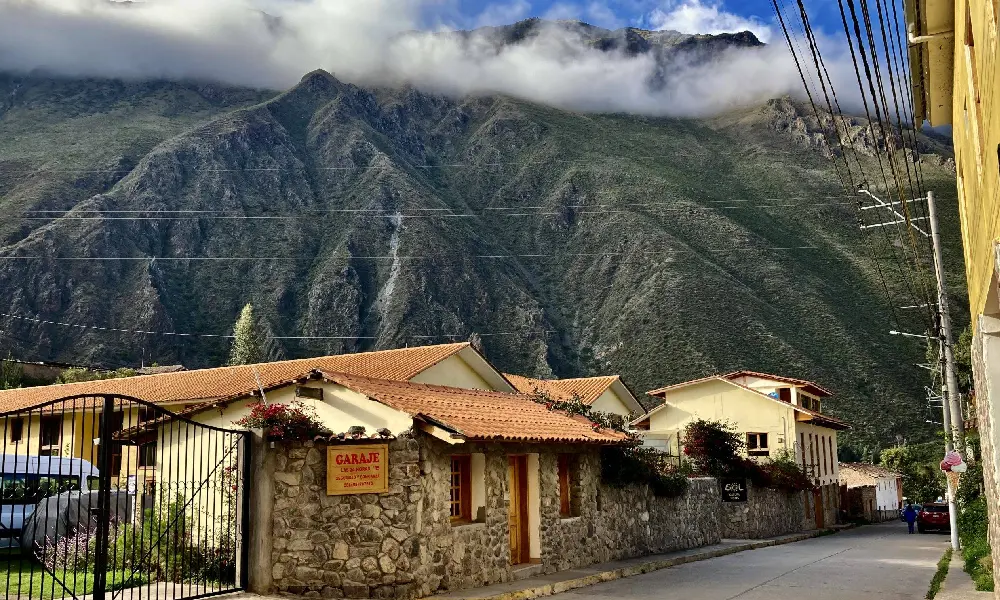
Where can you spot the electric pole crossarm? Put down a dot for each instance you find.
(883, 204)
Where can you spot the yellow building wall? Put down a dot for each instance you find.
(814, 453)
(610, 402)
(976, 134)
(455, 372)
(721, 401)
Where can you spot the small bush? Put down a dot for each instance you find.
(72, 552)
(973, 526)
(294, 421)
(715, 449)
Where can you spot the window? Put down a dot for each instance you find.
(16, 429)
(785, 394)
(461, 488)
(802, 444)
(147, 455)
(117, 424)
(822, 444)
(50, 432)
(757, 444)
(812, 455)
(21, 488)
(569, 505)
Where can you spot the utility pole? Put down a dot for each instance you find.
(945, 409)
(952, 403)
(952, 399)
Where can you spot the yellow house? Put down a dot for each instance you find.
(772, 413)
(955, 70)
(37, 429)
(606, 394)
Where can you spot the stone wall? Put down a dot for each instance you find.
(402, 544)
(988, 434)
(766, 513)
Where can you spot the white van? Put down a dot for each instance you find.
(27, 480)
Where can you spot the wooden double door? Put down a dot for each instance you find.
(517, 515)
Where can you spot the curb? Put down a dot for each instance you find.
(647, 567)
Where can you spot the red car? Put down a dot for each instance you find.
(933, 515)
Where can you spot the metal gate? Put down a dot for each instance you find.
(111, 497)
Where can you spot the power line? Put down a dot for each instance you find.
(398, 257)
(199, 215)
(275, 337)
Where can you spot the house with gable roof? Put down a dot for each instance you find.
(71, 433)
(774, 414)
(606, 393)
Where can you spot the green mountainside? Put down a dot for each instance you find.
(657, 248)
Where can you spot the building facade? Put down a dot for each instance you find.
(885, 500)
(955, 72)
(774, 414)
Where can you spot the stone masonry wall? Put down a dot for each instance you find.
(987, 435)
(402, 544)
(766, 513)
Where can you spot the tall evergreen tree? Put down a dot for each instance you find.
(248, 345)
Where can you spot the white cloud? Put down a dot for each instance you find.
(371, 42)
(695, 16)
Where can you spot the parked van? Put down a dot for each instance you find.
(27, 480)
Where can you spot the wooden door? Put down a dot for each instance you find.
(517, 515)
(818, 502)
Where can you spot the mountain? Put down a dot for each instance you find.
(571, 244)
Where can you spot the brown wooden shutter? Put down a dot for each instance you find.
(565, 509)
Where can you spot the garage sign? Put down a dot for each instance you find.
(357, 469)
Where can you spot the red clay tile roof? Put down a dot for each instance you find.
(479, 415)
(857, 474)
(817, 389)
(234, 382)
(820, 418)
(588, 389)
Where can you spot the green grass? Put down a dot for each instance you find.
(938, 579)
(22, 577)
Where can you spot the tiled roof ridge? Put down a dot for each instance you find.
(762, 375)
(335, 375)
(869, 469)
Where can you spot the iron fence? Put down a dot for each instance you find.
(112, 497)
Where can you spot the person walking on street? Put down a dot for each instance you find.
(910, 516)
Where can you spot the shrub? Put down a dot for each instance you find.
(716, 449)
(629, 463)
(294, 421)
(973, 525)
(72, 552)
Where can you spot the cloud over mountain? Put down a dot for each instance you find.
(273, 42)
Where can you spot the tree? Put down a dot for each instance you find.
(11, 374)
(78, 374)
(248, 346)
(923, 480)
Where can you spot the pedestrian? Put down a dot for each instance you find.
(910, 516)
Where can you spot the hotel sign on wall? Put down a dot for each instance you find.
(357, 469)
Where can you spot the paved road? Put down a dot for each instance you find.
(873, 562)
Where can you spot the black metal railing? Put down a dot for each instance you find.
(115, 498)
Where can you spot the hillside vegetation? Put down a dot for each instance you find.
(662, 249)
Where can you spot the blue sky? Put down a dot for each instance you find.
(698, 16)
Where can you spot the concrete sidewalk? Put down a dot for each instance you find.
(546, 585)
(958, 585)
